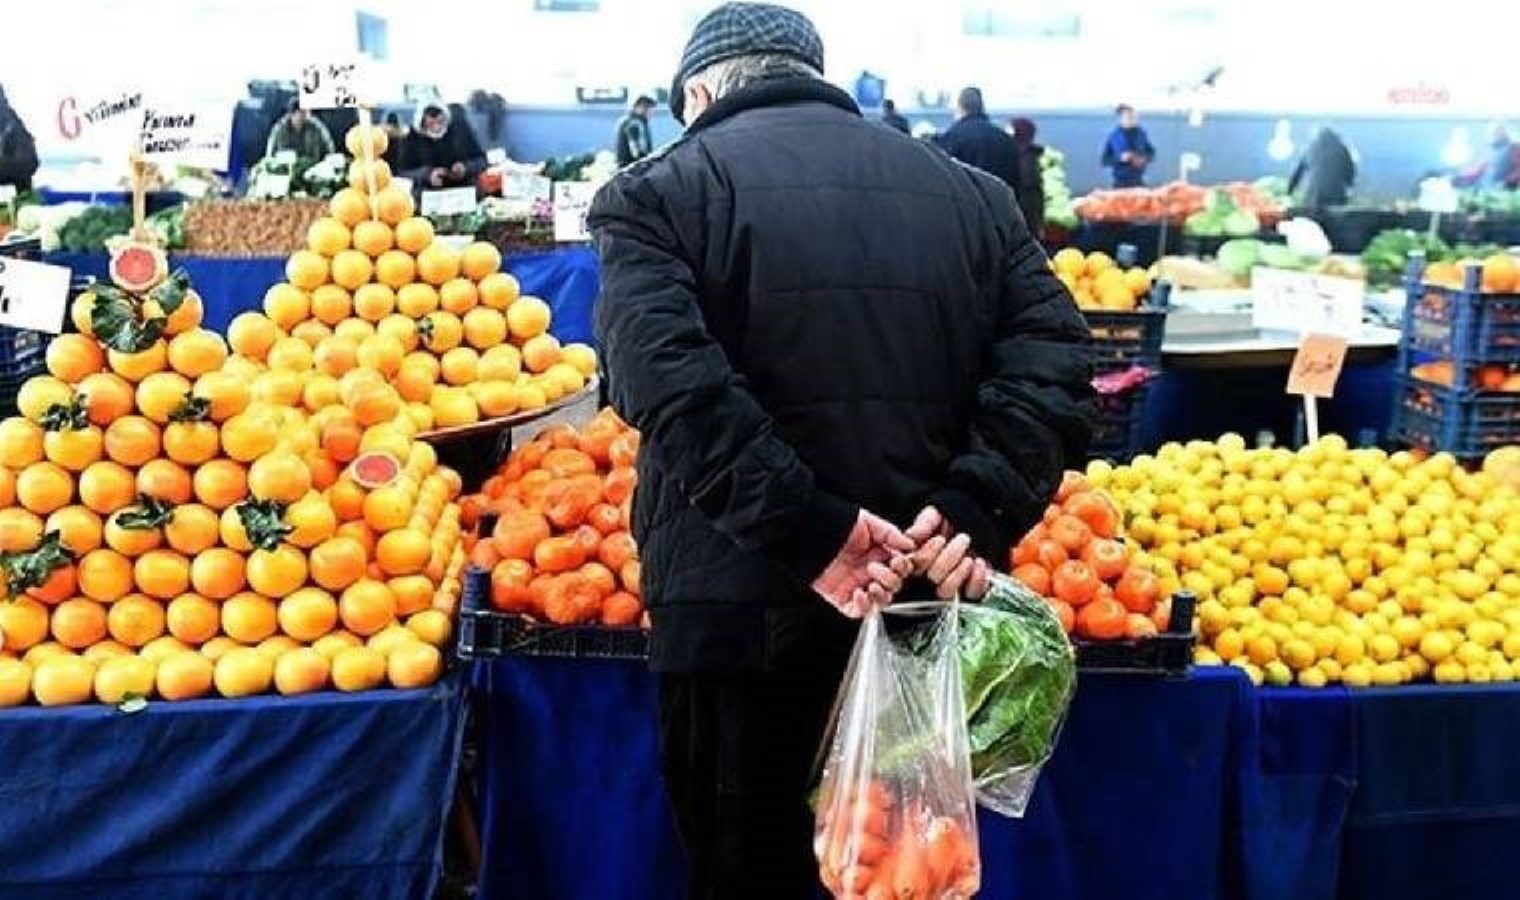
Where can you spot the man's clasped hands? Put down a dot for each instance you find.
(878, 557)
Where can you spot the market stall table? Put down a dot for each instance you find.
(324, 795)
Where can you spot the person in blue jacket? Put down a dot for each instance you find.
(1128, 149)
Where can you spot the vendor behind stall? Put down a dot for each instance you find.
(18, 152)
(440, 152)
(300, 133)
(1325, 174)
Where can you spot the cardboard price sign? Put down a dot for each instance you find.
(572, 202)
(526, 186)
(449, 202)
(198, 137)
(33, 295)
(1317, 365)
(336, 85)
(1302, 303)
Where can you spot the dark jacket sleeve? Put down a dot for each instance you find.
(1032, 415)
(669, 378)
(1146, 147)
(1110, 150)
(18, 158)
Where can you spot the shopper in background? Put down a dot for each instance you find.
(18, 151)
(824, 332)
(1325, 173)
(1503, 165)
(975, 141)
(890, 117)
(1128, 149)
(300, 133)
(632, 141)
(439, 152)
(1031, 186)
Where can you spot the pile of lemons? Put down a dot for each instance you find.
(1329, 564)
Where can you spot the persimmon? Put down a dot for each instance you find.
(605, 517)
(1071, 533)
(517, 534)
(510, 582)
(1034, 576)
(620, 484)
(631, 575)
(1107, 558)
(1139, 626)
(1102, 620)
(1027, 549)
(1074, 582)
(621, 609)
(1138, 590)
(599, 577)
(1096, 511)
(1072, 483)
(484, 555)
(568, 501)
(1050, 555)
(558, 554)
(617, 550)
(625, 449)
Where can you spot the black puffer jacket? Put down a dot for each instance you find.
(806, 314)
(975, 141)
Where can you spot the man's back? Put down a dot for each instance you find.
(975, 141)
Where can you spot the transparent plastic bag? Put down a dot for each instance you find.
(896, 812)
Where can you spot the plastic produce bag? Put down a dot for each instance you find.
(895, 808)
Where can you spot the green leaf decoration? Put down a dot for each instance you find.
(171, 292)
(192, 409)
(71, 416)
(118, 323)
(425, 330)
(147, 514)
(33, 568)
(264, 520)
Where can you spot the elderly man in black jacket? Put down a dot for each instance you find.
(848, 358)
(975, 141)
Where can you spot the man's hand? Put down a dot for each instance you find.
(457, 170)
(435, 177)
(945, 558)
(868, 569)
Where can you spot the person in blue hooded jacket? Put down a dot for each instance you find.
(1128, 149)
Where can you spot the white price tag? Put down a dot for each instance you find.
(1438, 195)
(195, 136)
(7, 193)
(526, 186)
(572, 201)
(450, 202)
(496, 156)
(271, 185)
(333, 85)
(1302, 303)
(33, 295)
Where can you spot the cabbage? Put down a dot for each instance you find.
(1241, 223)
(1238, 257)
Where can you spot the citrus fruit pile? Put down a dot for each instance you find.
(1078, 560)
(449, 334)
(1096, 281)
(173, 525)
(560, 550)
(1330, 564)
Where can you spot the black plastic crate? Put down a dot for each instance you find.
(1125, 339)
(1464, 423)
(1168, 653)
(485, 633)
(1118, 424)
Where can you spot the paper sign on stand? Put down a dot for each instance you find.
(33, 295)
(572, 201)
(1316, 368)
(7, 193)
(198, 137)
(526, 186)
(333, 85)
(449, 202)
(1301, 302)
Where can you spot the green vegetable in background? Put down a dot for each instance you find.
(89, 231)
(1238, 257)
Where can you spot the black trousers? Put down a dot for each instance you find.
(738, 754)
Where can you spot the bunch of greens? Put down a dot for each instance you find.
(1058, 202)
(89, 231)
(1497, 203)
(1386, 257)
(1220, 217)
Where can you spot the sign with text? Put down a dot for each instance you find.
(572, 201)
(83, 118)
(401, 184)
(333, 85)
(526, 186)
(198, 137)
(33, 295)
(1301, 303)
(1317, 365)
(448, 202)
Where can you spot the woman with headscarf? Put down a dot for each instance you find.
(440, 152)
(18, 151)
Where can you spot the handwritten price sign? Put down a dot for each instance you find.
(1317, 365)
(572, 201)
(1299, 302)
(333, 86)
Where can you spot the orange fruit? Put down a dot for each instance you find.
(217, 647)
(252, 334)
(349, 206)
(104, 575)
(389, 638)
(162, 573)
(121, 677)
(432, 626)
(347, 499)
(192, 618)
(220, 483)
(414, 665)
(301, 671)
(285, 304)
(132, 440)
(416, 300)
(441, 332)
(528, 317)
(165, 480)
(291, 354)
(191, 443)
(438, 263)
(24, 622)
(306, 271)
(45, 650)
(135, 620)
(499, 290)
(387, 508)
(458, 296)
(414, 234)
(71, 357)
(248, 617)
(130, 542)
(541, 353)
(275, 646)
(351, 268)
(15, 682)
(44, 487)
(160, 648)
(308, 614)
(382, 353)
(414, 383)
(134, 367)
(358, 669)
(279, 476)
(335, 355)
(277, 572)
(366, 606)
(218, 573)
(369, 175)
(374, 404)
(227, 394)
(191, 529)
(197, 352)
(42, 392)
(337, 562)
(327, 236)
(311, 332)
(479, 260)
(500, 363)
(243, 672)
(413, 593)
(395, 205)
(106, 487)
(331, 304)
(160, 394)
(74, 448)
(403, 329)
(78, 623)
(311, 519)
(107, 397)
(373, 238)
(79, 528)
(1501, 275)
(330, 645)
(404, 551)
(393, 269)
(108, 649)
(20, 443)
(187, 316)
(249, 435)
(7, 487)
(361, 533)
(373, 302)
(460, 366)
(184, 675)
(484, 328)
(62, 680)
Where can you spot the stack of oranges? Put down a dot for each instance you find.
(173, 525)
(451, 337)
(560, 550)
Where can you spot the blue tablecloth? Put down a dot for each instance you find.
(566, 278)
(1200, 788)
(329, 795)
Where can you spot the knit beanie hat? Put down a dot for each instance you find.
(742, 29)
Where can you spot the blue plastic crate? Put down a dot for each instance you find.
(1125, 339)
(1118, 425)
(1465, 327)
(1467, 424)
